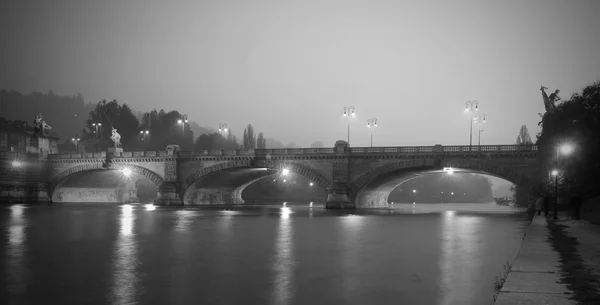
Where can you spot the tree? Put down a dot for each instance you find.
(111, 115)
(260, 141)
(576, 122)
(524, 138)
(215, 141)
(164, 130)
(249, 138)
(317, 144)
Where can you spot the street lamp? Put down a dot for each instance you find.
(371, 123)
(96, 126)
(349, 112)
(76, 141)
(223, 128)
(479, 119)
(183, 121)
(144, 134)
(565, 149)
(471, 107)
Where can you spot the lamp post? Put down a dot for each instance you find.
(96, 126)
(76, 141)
(183, 121)
(144, 133)
(471, 107)
(479, 119)
(223, 127)
(371, 123)
(349, 112)
(565, 149)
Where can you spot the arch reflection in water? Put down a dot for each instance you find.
(283, 266)
(125, 259)
(15, 254)
(458, 236)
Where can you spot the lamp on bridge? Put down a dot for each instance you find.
(96, 126)
(349, 112)
(144, 133)
(479, 119)
(223, 127)
(183, 121)
(16, 164)
(126, 172)
(471, 107)
(371, 123)
(285, 171)
(76, 141)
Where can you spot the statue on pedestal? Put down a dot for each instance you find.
(549, 102)
(40, 126)
(116, 137)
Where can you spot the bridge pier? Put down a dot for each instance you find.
(168, 195)
(338, 197)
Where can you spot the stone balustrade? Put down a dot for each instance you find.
(300, 151)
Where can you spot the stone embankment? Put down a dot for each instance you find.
(558, 263)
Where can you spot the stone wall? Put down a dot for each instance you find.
(94, 195)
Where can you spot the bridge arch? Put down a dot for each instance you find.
(224, 183)
(58, 179)
(373, 188)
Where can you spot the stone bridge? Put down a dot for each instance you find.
(352, 176)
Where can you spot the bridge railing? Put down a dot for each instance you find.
(489, 148)
(17, 155)
(298, 151)
(102, 154)
(399, 149)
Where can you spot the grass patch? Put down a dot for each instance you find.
(575, 275)
(500, 280)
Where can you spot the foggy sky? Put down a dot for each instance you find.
(289, 67)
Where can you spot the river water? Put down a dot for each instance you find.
(293, 254)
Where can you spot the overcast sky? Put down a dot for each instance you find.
(289, 67)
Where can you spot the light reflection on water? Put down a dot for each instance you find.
(459, 239)
(351, 226)
(125, 259)
(16, 271)
(274, 255)
(283, 266)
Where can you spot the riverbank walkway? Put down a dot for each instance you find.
(535, 277)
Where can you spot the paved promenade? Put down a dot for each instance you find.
(535, 277)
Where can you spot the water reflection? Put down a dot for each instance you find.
(351, 226)
(16, 273)
(460, 257)
(184, 220)
(284, 261)
(125, 259)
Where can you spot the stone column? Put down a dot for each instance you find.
(338, 195)
(168, 192)
(37, 194)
